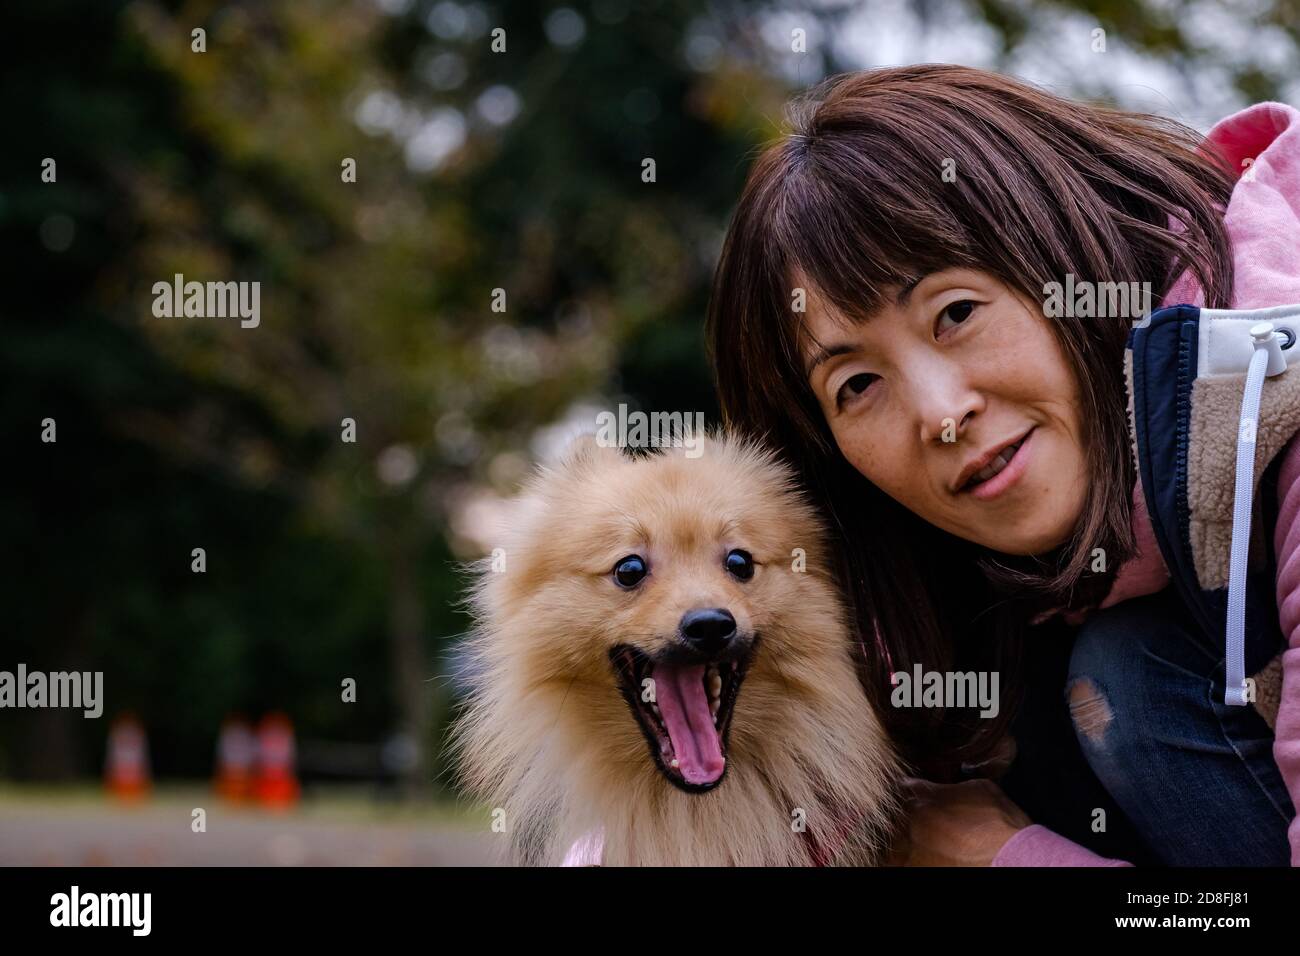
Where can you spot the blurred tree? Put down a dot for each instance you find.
(376, 299)
(477, 169)
(512, 177)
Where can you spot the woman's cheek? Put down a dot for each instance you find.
(881, 459)
(858, 450)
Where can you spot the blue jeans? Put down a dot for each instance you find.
(1141, 733)
(1194, 777)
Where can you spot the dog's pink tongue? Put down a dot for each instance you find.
(679, 691)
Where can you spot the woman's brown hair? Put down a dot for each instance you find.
(854, 200)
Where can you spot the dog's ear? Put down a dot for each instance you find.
(586, 450)
(562, 464)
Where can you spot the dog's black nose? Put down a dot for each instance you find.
(708, 629)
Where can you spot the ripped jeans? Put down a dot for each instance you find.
(1141, 734)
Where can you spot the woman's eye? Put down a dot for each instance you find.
(957, 313)
(854, 387)
(629, 571)
(740, 564)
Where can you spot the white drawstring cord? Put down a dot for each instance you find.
(1267, 360)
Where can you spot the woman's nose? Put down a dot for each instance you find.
(945, 407)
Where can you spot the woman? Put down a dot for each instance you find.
(923, 300)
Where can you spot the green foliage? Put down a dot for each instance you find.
(327, 559)
(375, 306)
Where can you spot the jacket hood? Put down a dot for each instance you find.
(1261, 145)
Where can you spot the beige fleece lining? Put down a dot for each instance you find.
(1268, 691)
(1212, 480)
(1212, 463)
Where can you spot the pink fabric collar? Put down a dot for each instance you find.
(1145, 572)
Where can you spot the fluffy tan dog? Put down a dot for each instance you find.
(664, 673)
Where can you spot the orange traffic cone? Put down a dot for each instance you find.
(126, 771)
(236, 751)
(277, 786)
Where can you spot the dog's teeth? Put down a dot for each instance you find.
(715, 684)
(676, 763)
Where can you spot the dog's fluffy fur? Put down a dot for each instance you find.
(550, 737)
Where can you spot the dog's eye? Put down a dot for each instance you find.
(629, 571)
(740, 564)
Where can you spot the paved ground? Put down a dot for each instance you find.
(86, 829)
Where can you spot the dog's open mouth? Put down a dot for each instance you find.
(687, 716)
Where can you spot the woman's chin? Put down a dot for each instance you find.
(1031, 535)
(1040, 518)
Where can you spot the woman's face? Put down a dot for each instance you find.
(956, 400)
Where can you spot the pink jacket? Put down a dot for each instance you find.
(1263, 220)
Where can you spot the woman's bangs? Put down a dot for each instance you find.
(846, 229)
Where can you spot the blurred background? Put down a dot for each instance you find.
(329, 560)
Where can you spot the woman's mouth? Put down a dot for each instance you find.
(1002, 471)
